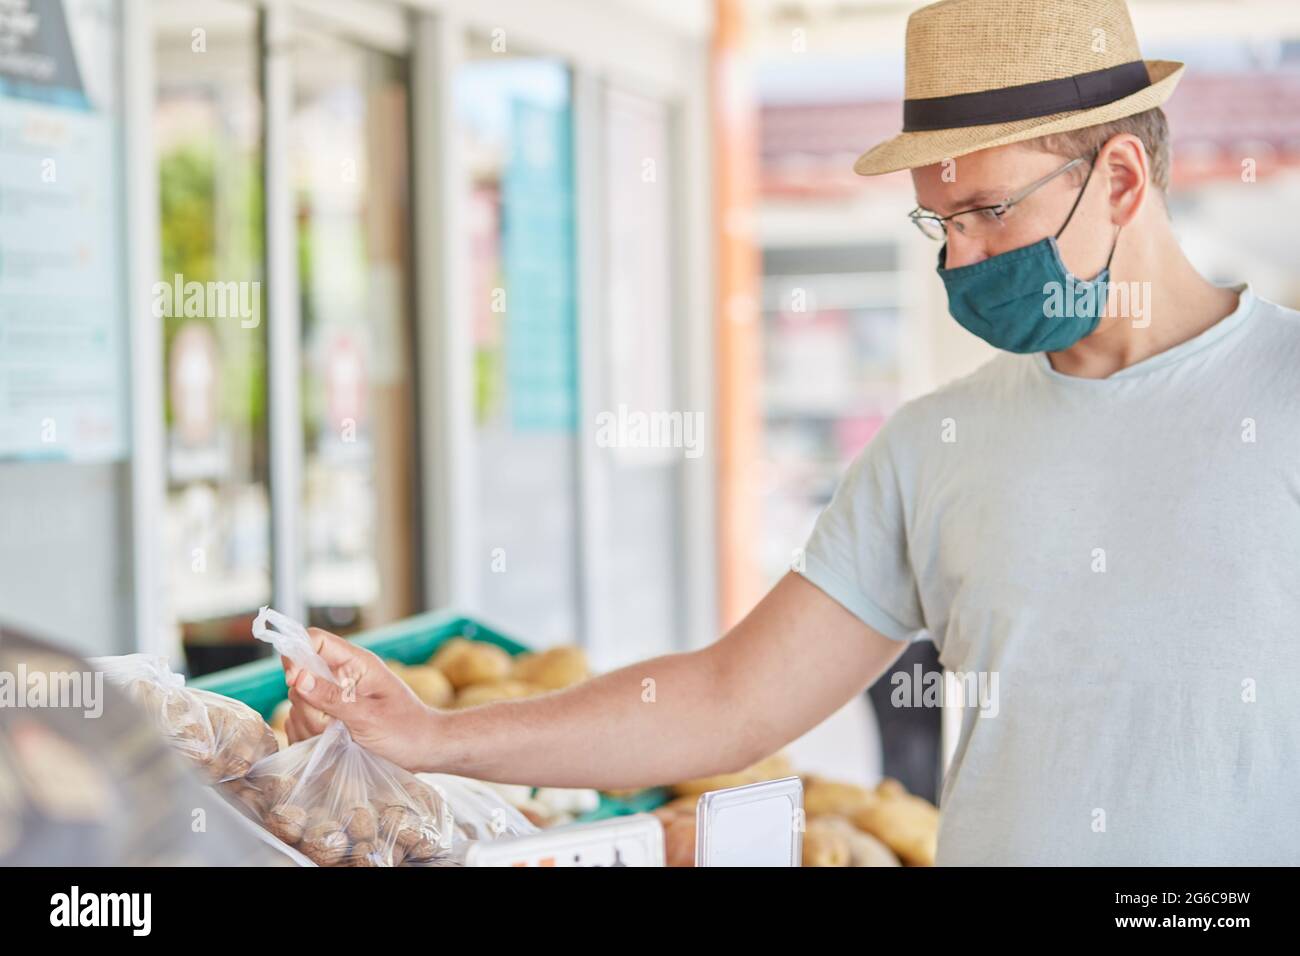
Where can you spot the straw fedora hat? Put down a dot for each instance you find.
(984, 73)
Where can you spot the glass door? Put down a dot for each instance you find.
(208, 128)
(515, 128)
(349, 142)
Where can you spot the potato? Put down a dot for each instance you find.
(430, 685)
(620, 794)
(684, 804)
(889, 787)
(553, 669)
(280, 716)
(824, 846)
(679, 836)
(770, 768)
(467, 662)
(821, 796)
(906, 824)
(500, 690)
(864, 849)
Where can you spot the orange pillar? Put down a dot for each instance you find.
(739, 334)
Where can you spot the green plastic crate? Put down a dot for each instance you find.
(413, 640)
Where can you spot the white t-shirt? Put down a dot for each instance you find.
(1122, 556)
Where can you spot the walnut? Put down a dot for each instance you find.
(287, 822)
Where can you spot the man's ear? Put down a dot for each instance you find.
(1126, 169)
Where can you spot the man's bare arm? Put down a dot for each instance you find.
(792, 662)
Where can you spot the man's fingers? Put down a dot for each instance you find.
(310, 716)
(318, 693)
(333, 648)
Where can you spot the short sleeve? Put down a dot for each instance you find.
(858, 550)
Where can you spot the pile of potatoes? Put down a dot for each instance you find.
(846, 825)
(465, 673)
(220, 736)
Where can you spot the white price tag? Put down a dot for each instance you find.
(759, 824)
(623, 841)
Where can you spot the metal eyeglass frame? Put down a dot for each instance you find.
(997, 210)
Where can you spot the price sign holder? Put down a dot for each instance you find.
(636, 840)
(759, 824)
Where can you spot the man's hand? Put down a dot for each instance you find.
(380, 711)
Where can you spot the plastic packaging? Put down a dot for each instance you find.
(221, 736)
(333, 800)
(291, 640)
(341, 805)
(480, 812)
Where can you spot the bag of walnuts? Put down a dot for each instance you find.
(341, 805)
(221, 736)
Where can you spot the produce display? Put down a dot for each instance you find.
(221, 736)
(845, 824)
(340, 805)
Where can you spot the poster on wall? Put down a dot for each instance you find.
(62, 329)
(538, 254)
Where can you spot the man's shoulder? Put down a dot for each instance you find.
(1279, 319)
(1270, 350)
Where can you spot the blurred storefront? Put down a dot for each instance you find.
(362, 278)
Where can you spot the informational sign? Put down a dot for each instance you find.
(62, 364)
(538, 253)
(622, 841)
(760, 824)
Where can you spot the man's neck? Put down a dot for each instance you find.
(1158, 300)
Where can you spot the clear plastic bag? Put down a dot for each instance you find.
(221, 736)
(333, 800)
(479, 810)
(341, 805)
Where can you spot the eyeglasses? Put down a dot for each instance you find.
(983, 220)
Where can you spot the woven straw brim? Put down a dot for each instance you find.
(910, 150)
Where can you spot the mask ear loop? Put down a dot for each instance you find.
(1092, 164)
(1113, 246)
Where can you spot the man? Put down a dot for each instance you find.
(1105, 520)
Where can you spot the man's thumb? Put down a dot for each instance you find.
(324, 695)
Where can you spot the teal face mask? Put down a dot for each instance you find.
(1026, 300)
